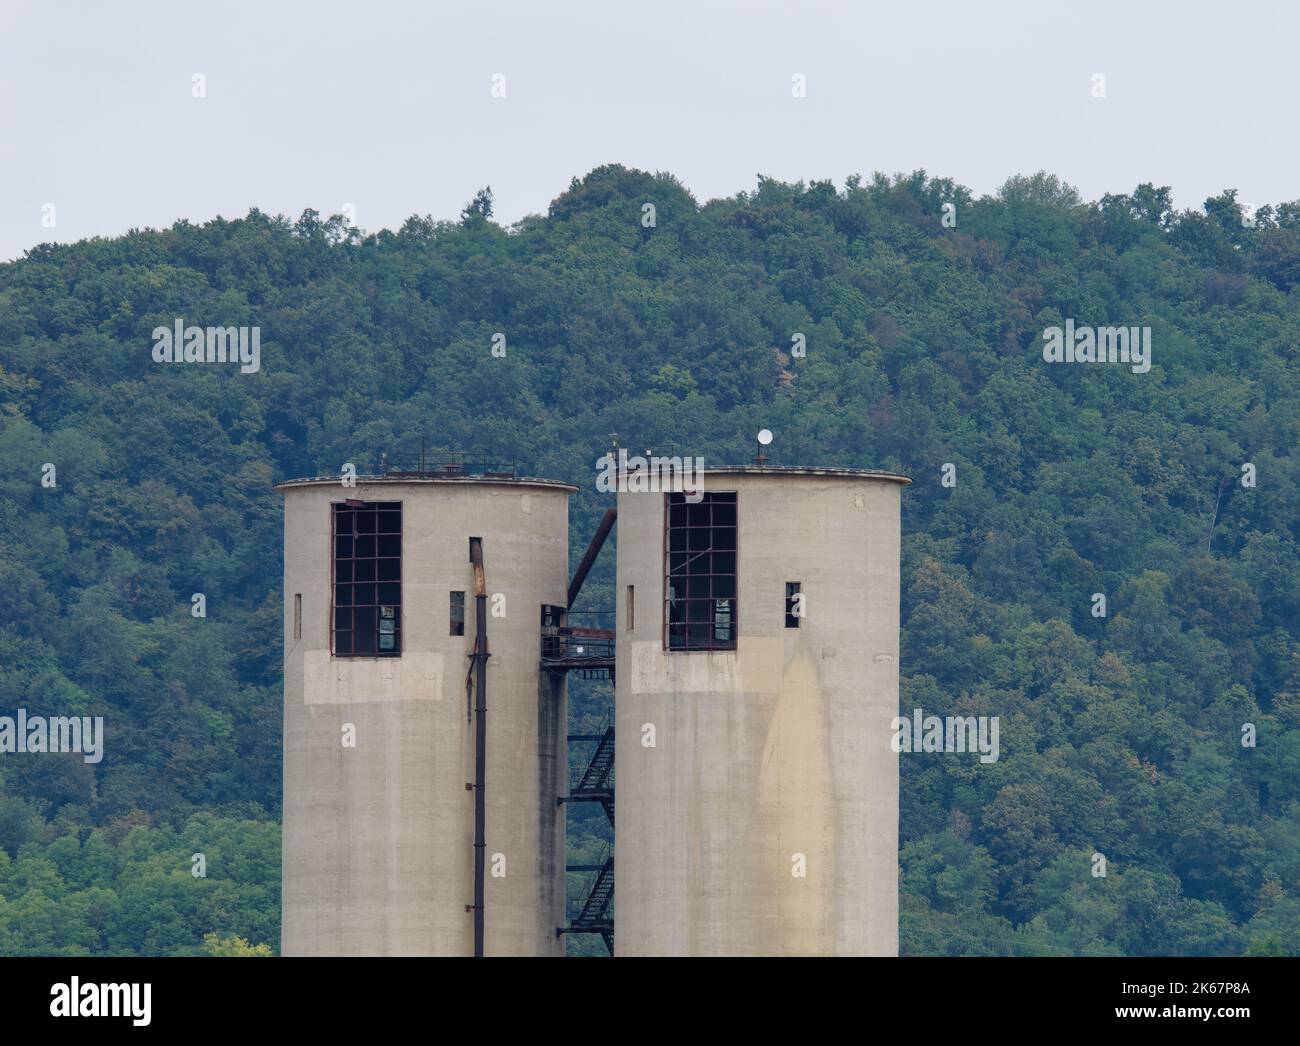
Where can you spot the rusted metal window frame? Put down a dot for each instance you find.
(353, 584)
(689, 644)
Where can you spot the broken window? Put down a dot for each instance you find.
(367, 606)
(457, 614)
(700, 586)
(793, 604)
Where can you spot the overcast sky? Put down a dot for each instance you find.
(388, 106)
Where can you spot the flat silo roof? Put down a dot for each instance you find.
(431, 478)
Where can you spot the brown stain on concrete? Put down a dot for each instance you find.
(794, 799)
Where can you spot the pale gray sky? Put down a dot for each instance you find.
(387, 105)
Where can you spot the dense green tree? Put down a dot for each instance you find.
(855, 324)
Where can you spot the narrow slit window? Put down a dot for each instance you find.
(367, 599)
(701, 611)
(297, 615)
(631, 607)
(793, 604)
(457, 613)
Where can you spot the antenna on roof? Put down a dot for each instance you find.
(764, 438)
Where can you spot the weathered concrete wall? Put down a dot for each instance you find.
(778, 748)
(378, 839)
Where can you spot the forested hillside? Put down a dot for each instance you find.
(1120, 735)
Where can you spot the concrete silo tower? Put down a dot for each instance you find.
(757, 645)
(380, 728)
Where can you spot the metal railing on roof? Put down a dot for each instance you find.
(449, 463)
